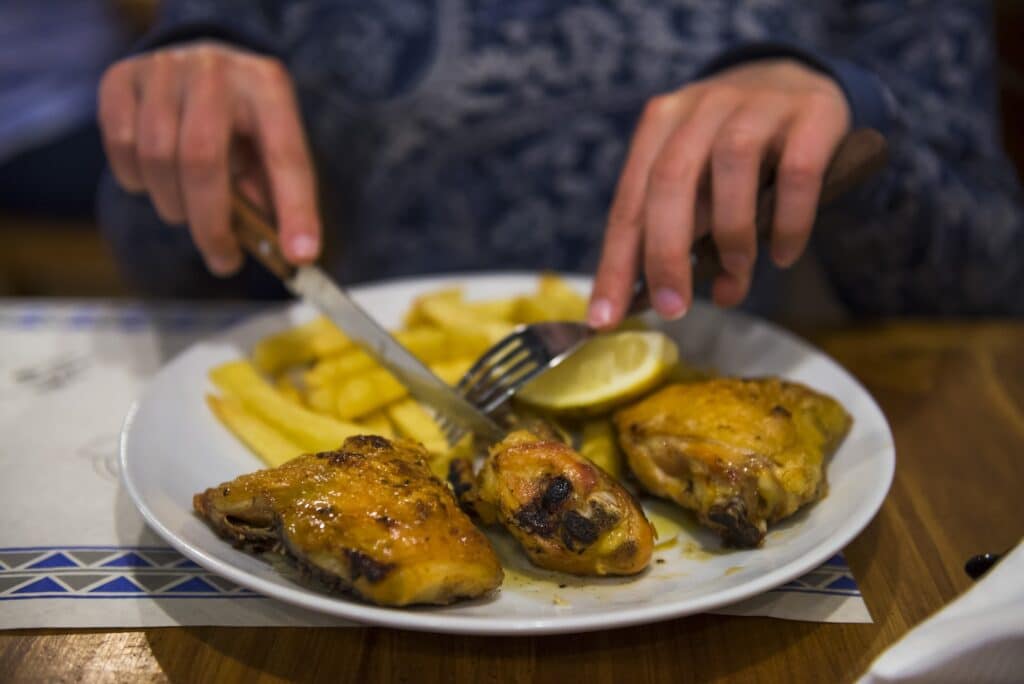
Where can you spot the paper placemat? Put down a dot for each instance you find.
(74, 552)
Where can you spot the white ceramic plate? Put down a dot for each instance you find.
(172, 447)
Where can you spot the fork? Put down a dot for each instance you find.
(530, 350)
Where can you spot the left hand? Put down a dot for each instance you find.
(718, 131)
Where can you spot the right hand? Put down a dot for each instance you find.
(184, 123)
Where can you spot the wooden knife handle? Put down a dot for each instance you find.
(258, 237)
(860, 155)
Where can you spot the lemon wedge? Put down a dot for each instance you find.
(607, 371)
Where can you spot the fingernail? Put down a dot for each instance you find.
(734, 262)
(221, 265)
(600, 313)
(784, 257)
(669, 303)
(304, 246)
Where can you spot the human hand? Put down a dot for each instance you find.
(694, 166)
(183, 123)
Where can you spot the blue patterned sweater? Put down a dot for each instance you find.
(460, 135)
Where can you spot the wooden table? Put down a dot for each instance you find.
(954, 395)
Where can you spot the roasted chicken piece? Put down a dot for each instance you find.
(739, 453)
(565, 512)
(368, 517)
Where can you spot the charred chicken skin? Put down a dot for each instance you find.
(367, 518)
(739, 453)
(565, 512)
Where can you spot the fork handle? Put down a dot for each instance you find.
(859, 156)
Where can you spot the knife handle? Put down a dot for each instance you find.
(258, 237)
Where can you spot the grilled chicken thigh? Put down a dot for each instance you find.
(368, 518)
(565, 512)
(739, 453)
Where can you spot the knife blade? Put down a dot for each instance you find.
(312, 285)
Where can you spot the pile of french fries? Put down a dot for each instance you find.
(309, 388)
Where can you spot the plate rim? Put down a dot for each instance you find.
(433, 619)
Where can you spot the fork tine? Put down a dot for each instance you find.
(515, 360)
(504, 368)
(452, 431)
(492, 357)
(509, 377)
(497, 372)
(503, 393)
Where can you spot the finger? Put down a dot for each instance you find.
(158, 124)
(736, 159)
(809, 145)
(616, 271)
(289, 168)
(203, 167)
(117, 112)
(248, 176)
(670, 208)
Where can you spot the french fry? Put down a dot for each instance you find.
(270, 445)
(297, 345)
(414, 422)
(427, 344)
(448, 313)
(416, 317)
(598, 444)
(572, 305)
(311, 431)
(332, 370)
(323, 399)
(473, 343)
(373, 389)
(502, 309)
(441, 462)
(286, 386)
(452, 371)
(555, 300)
(367, 392)
(471, 327)
(329, 342)
(378, 423)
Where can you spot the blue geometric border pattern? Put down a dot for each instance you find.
(133, 318)
(108, 572)
(128, 572)
(834, 577)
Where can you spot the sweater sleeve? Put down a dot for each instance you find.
(247, 23)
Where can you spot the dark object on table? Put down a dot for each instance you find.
(977, 566)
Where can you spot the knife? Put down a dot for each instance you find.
(312, 285)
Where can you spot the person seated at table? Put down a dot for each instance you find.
(496, 135)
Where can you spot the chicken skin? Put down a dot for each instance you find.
(739, 453)
(565, 512)
(368, 518)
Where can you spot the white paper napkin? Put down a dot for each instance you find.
(74, 552)
(977, 638)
